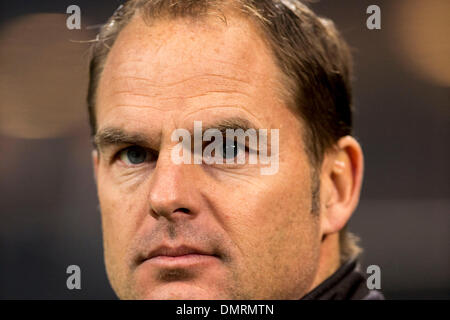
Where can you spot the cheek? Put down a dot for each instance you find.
(275, 206)
(277, 219)
(121, 210)
(270, 221)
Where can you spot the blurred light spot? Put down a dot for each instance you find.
(44, 77)
(422, 38)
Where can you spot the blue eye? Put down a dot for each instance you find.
(134, 155)
(230, 151)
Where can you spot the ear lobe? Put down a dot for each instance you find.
(341, 179)
(95, 163)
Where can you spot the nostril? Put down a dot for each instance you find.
(184, 210)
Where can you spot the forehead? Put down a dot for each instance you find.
(185, 68)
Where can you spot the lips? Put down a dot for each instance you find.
(180, 251)
(179, 256)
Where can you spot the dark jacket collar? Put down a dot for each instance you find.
(347, 283)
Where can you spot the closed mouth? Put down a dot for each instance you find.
(171, 253)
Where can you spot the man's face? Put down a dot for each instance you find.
(199, 231)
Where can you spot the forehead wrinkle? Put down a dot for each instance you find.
(234, 106)
(220, 84)
(138, 106)
(133, 93)
(144, 87)
(161, 84)
(206, 93)
(141, 96)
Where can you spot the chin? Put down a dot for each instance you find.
(182, 291)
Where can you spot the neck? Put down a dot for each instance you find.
(329, 259)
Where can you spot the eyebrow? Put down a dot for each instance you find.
(117, 136)
(234, 123)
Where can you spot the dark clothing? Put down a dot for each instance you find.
(347, 283)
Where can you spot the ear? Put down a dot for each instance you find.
(95, 162)
(341, 179)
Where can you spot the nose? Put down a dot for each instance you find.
(172, 193)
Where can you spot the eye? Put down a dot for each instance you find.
(134, 155)
(231, 149)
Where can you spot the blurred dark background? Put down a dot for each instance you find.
(48, 207)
